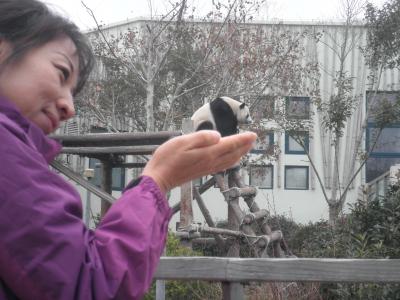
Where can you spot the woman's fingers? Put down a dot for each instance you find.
(200, 139)
(206, 138)
(236, 142)
(187, 157)
(223, 155)
(230, 146)
(228, 160)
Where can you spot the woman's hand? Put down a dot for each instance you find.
(191, 156)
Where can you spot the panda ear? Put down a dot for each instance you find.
(242, 105)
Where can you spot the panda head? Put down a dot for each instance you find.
(243, 114)
(240, 109)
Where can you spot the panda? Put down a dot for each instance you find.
(223, 114)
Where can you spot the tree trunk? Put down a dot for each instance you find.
(335, 208)
(150, 107)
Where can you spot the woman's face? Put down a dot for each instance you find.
(42, 82)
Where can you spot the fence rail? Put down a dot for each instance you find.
(232, 272)
(279, 269)
(116, 139)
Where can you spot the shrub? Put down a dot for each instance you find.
(370, 230)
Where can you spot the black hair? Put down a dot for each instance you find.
(28, 24)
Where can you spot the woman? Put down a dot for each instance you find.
(46, 252)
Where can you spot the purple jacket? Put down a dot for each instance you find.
(46, 251)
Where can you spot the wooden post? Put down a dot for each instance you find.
(232, 291)
(106, 183)
(186, 213)
(88, 174)
(233, 221)
(160, 284)
(160, 290)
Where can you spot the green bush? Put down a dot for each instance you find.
(378, 223)
(369, 230)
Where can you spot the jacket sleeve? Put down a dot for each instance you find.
(46, 252)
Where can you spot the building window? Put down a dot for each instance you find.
(296, 178)
(118, 175)
(264, 143)
(292, 146)
(297, 107)
(386, 149)
(262, 176)
(376, 166)
(388, 144)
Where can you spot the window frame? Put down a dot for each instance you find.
(375, 153)
(288, 167)
(297, 152)
(371, 125)
(271, 141)
(288, 99)
(271, 167)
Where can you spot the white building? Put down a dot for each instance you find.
(289, 185)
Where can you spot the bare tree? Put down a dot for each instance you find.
(167, 59)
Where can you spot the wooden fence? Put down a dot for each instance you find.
(232, 272)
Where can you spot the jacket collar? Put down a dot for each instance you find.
(48, 147)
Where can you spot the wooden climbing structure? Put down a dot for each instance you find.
(241, 225)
